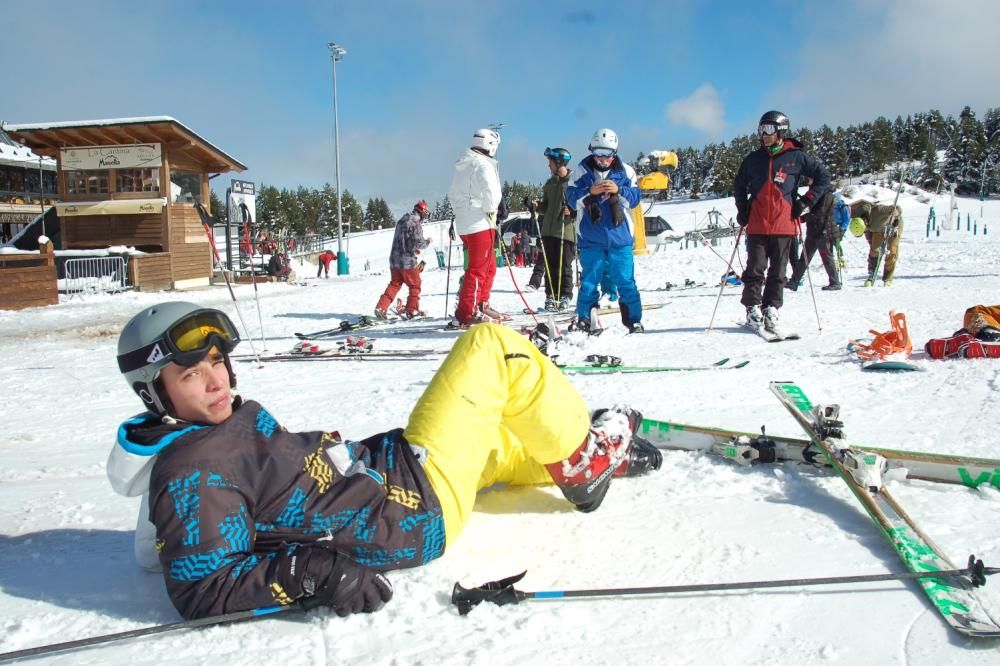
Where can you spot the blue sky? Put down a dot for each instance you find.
(419, 77)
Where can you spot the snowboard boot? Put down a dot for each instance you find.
(589, 326)
(585, 476)
(948, 347)
(755, 318)
(636, 327)
(771, 319)
(982, 349)
(988, 334)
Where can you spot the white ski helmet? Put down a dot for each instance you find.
(486, 140)
(604, 139)
(171, 332)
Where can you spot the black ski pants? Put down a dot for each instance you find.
(766, 255)
(825, 248)
(563, 288)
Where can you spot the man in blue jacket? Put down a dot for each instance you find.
(603, 190)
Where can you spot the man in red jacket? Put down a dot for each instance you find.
(768, 206)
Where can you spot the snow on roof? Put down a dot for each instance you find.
(104, 122)
(14, 154)
(93, 123)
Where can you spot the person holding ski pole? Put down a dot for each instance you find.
(821, 235)
(558, 231)
(477, 199)
(404, 262)
(880, 219)
(243, 514)
(603, 190)
(769, 208)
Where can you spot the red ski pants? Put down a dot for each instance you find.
(400, 276)
(478, 280)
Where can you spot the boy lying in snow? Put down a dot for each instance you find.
(246, 514)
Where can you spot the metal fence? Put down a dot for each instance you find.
(95, 275)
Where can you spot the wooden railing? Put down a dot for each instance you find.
(28, 280)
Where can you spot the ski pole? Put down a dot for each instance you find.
(729, 267)
(247, 221)
(812, 292)
(206, 221)
(503, 251)
(228, 618)
(447, 285)
(503, 592)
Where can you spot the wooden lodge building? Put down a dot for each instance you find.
(133, 182)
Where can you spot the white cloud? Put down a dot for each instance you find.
(701, 110)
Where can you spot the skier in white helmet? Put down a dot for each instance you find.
(477, 201)
(603, 189)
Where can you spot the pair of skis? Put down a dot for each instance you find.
(360, 349)
(771, 336)
(599, 364)
(891, 229)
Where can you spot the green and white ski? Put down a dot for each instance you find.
(748, 448)
(954, 598)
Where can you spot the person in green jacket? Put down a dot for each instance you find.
(558, 232)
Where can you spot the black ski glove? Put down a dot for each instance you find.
(593, 208)
(743, 217)
(331, 578)
(617, 210)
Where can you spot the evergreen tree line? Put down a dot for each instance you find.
(307, 211)
(971, 150)
(971, 164)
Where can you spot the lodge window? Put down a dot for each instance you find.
(138, 180)
(87, 182)
(185, 186)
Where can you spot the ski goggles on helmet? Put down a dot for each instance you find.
(602, 152)
(767, 129)
(186, 342)
(558, 154)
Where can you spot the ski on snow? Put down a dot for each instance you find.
(612, 368)
(770, 336)
(350, 349)
(748, 448)
(955, 599)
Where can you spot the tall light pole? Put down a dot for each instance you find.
(337, 54)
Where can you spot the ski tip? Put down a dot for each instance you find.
(741, 364)
(721, 362)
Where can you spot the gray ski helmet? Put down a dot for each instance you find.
(776, 118)
(145, 347)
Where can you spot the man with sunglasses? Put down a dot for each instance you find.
(242, 514)
(603, 189)
(769, 207)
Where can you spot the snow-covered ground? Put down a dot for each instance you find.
(66, 568)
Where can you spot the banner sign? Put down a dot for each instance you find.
(133, 156)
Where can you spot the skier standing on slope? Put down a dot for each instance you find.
(769, 207)
(821, 235)
(476, 199)
(603, 190)
(407, 242)
(558, 232)
(245, 514)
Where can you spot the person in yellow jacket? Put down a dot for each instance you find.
(245, 514)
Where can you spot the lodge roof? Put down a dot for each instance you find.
(48, 138)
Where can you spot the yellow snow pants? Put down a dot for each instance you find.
(496, 411)
(980, 316)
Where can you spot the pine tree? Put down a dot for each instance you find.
(883, 144)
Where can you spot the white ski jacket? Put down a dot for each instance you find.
(475, 192)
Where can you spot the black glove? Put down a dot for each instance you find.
(593, 208)
(331, 578)
(501, 211)
(617, 210)
(801, 207)
(451, 231)
(743, 217)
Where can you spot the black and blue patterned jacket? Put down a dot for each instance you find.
(231, 503)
